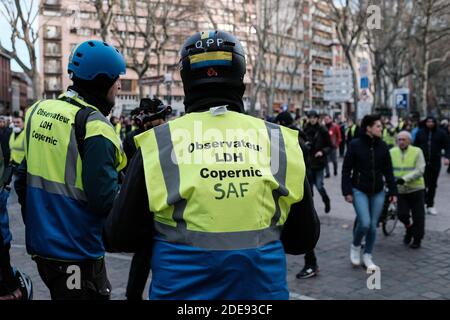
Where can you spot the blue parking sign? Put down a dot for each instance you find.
(401, 100)
(364, 83)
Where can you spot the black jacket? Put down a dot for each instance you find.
(317, 139)
(366, 162)
(129, 146)
(130, 223)
(5, 134)
(432, 142)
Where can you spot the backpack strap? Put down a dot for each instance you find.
(80, 122)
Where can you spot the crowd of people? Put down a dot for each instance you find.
(88, 183)
(382, 162)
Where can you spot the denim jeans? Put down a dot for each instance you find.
(368, 210)
(316, 179)
(332, 157)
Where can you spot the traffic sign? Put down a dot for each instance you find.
(401, 98)
(364, 83)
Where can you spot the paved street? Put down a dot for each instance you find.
(405, 273)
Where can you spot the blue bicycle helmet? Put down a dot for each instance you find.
(92, 58)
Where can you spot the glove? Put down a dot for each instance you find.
(400, 181)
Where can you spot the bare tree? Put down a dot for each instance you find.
(299, 57)
(349, 17)
(390, 49)
(143, 32)
(133, 38)
(21, 17)
(432, 27)
(105, 13)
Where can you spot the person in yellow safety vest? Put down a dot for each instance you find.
(16, 142)
(408, 163)
(224, 192)
(70, 175)
(117, 126)
(351, 132)
(389, 134)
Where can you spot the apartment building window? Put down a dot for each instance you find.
(85, 15)
(52, 48)
(52, 32)
(52, 66)
(52, 83)
(84, 32)
(51, 2)
(126, 85)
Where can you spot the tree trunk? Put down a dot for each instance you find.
(424, 88)
(158, 71)
(353, 67)
(37, 85)
(141, 87)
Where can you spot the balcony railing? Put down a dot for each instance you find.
(320, 53)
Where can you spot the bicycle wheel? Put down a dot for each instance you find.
(389, 223)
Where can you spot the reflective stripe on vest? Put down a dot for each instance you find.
(214, 196)
(404, 163)
(16, 144)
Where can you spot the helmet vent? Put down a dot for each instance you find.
(76, 63)
(106, 45)
(79, 55)
(91, 44)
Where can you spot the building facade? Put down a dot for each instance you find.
(5, 83)
(293, 72)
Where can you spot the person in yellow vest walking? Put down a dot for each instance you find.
(70, 175)
(408, 163)
(389, 134)
(223, 194)
(16, 142)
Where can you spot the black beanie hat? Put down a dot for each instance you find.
(284, 118)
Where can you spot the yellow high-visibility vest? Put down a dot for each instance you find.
(404, 163)
(17, 146)
(221, 182)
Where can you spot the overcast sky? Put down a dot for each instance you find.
(5, 36)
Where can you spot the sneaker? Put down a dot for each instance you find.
(25, 285)
(24, 290)
(308, 272)
(432, 211)
(355, 255)
(368, 263)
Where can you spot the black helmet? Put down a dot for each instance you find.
(212, 57)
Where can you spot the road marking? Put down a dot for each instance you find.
(296, 296)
